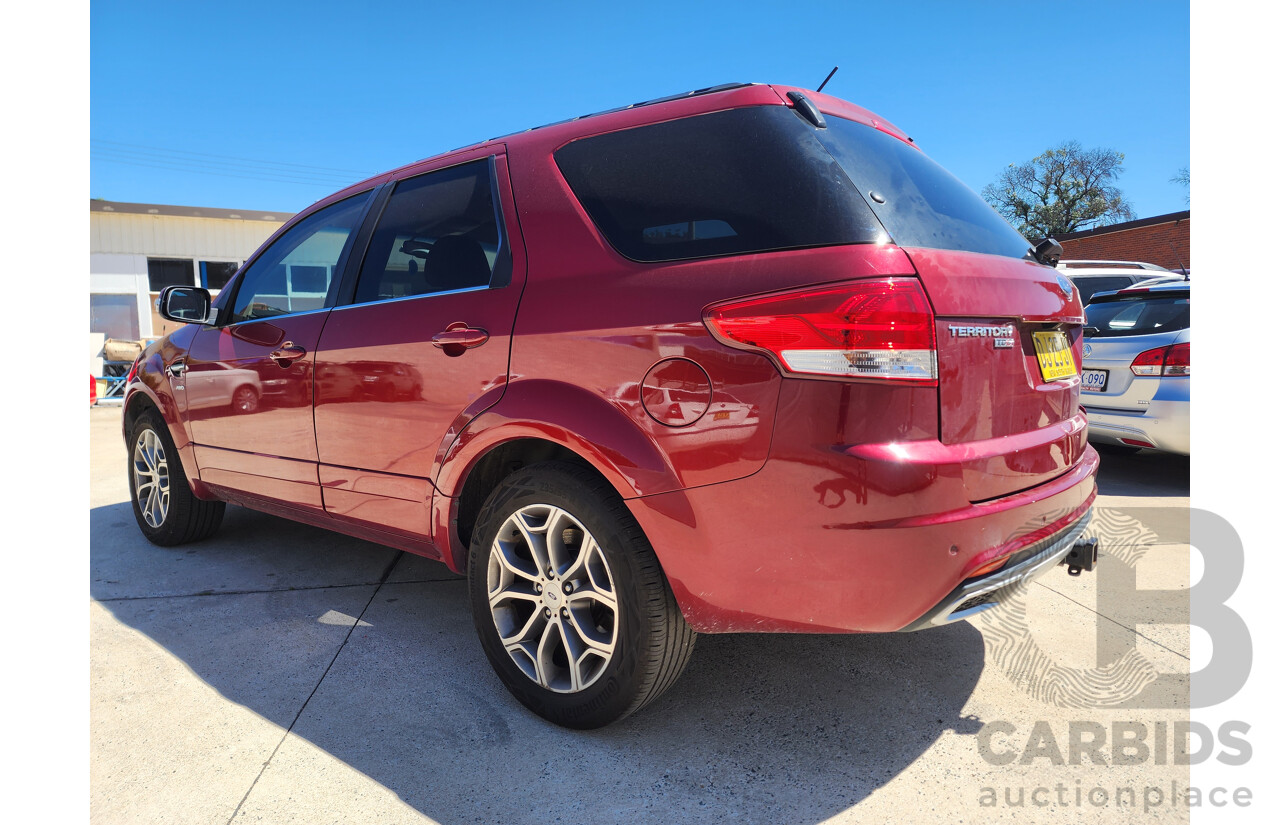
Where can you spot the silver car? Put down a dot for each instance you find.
(1136, 376)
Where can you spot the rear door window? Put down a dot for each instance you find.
(725, 183)
(1138, 315)
(438, 233)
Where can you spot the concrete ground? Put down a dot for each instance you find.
(279, 673)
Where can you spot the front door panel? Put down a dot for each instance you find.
(250, 412)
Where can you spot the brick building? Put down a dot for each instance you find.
(1164, 240)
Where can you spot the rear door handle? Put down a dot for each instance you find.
(287, 353)
(177, 368)
(457, 338)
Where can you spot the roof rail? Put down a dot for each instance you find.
(723, 87)
(1115, 264)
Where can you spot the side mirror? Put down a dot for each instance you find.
(186, 305)
(1048, 252)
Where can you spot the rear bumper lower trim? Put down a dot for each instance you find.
(974, 597)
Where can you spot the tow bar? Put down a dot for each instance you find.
(1083, 556)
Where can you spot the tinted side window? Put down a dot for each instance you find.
(725, 183)
(295, 273)
(924, 205)
(439, 232)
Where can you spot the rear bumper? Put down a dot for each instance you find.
(1165, 424)
(777, 552)
(986, 592)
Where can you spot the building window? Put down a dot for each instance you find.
(163, 272)
(115, 316)
(215, 274)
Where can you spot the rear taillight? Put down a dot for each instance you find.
(133, 371)
(881, 328)
(1178, 361)
(1170, 360)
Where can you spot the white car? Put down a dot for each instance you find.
(1136, 376)
(1091, 277)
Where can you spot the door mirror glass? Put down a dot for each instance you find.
(186, 305)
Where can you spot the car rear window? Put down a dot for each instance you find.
(725, 183)
(917, 201)
(1138, 315)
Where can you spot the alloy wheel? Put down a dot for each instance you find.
(552, 598)
(151, 477)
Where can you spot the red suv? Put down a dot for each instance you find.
(742, 359)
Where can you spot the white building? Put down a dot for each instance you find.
(137, 249)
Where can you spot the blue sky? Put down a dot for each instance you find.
(274, 105)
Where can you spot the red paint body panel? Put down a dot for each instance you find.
(279, 479)
(768, 554)
(775, 503)
(378, 500)
(843, 108)
(152, 387)
(377, 371)
(269, 449)
(987, 394)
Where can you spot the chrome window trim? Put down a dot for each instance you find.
(414, 297)
(275, 317)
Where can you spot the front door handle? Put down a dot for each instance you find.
(457, 338)
(287, 353)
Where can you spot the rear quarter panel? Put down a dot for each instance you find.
(595, 319)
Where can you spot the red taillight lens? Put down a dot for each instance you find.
(1171, 360)
(879, 328)
(1149, 362)
(1178, 361)
(133, 371)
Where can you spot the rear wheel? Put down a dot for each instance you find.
(569, 601)
(166, 510)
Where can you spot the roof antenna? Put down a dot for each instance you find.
(824, 83)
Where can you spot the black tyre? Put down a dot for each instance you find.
(569, 601)
(163, 504)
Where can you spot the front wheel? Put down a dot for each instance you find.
(245, 400)
(571, 606)
(166, 510)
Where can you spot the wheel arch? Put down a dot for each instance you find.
(141, 398)
(540, 420)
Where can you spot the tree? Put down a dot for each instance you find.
(1183, 177)
(1065, 189)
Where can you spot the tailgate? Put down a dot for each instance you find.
(991, 386)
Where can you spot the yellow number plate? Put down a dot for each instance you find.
(1054, 354)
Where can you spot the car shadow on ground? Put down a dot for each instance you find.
(1146, 473)
(756, 723)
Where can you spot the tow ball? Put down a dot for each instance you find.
(1083, 556)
